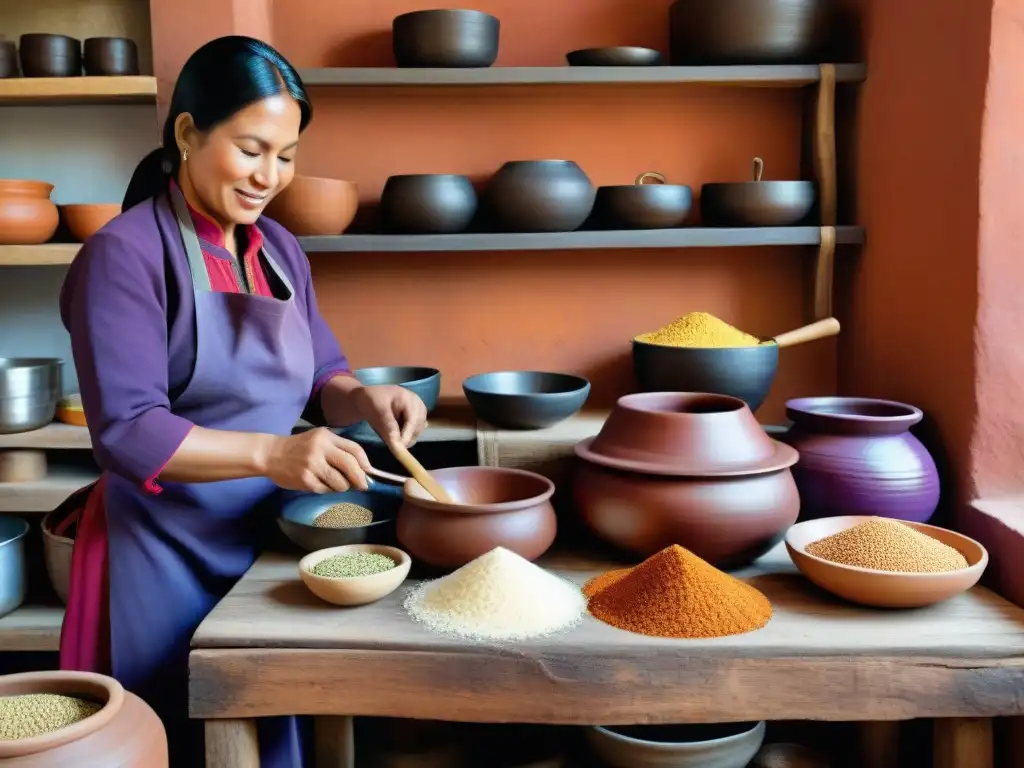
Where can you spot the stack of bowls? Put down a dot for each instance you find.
(30, 388)
(690, 469)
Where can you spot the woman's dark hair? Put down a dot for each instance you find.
(221, 78)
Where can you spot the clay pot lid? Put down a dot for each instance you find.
(853, 415)
(685, 434)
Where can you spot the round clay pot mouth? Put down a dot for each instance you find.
(532, 489)
(86, 685)
(681, 404)
(853, 415)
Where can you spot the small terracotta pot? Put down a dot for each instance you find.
(125, 732)
(27, 215)
(44, 55)
(86, 220)
(496, 507)
(110, 56)
(314, 206)
(8, 59)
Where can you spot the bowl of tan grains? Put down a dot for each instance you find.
(355, 574)
(885, 563)
(319, 521)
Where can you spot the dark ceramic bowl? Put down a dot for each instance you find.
(539, 196)
(614, 56)
(50, 56)
(756, 203)
(299, 510)
(427, 204)
(642, 205)
(525, 399)
(445, 38)
(111, 57)
(8, 59)
(743, 372)
(749, 31)
(425, 382)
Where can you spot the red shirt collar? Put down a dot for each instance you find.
(209, 231)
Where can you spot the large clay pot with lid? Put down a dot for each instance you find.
(125, 732)
(691, 469)
(858, 457)
(27, 215)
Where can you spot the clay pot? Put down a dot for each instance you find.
(539, 196)
(44, 55)
(8, 59)
(857, 457)
(690, 469)
(315, 206)
(27, 215)
(86, 220)
(643, 205)
(427, 204)
(125, 732)
(111, 56)
(756, 203)
(496, 507)
(445, 38)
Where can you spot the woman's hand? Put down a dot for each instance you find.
(316, 460)
(397, 414)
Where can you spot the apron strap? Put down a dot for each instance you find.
(196, 263)
(277, 268)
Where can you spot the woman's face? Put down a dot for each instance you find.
(238, 166)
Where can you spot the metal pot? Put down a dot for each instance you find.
(13, 577)
(30, 388)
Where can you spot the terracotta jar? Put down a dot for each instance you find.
(690, 469)
(857, 457)
(125, 732)
(27, 215)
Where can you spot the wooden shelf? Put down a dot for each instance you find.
(43, 495)
(37, 91)
(773, 76)
(34, 255)
(54, 436)
(31, 628)
(693, 237)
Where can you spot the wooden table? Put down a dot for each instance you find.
(271, 648)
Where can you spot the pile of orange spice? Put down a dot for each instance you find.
(674, 593)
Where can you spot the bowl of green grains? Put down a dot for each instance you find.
(355, 574)
(317, 521)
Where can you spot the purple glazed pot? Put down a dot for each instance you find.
(857, 457)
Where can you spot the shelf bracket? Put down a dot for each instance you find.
(825, 171)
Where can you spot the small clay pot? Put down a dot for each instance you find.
(44, 55)
(756, 203)
(315, 206)
(643, 205)
(427, 204)
(496, 507)
(457, 38)
(85, 220)
(125, 732)
(539, 196)
(111, 56)
(27, 215)
(8, 59)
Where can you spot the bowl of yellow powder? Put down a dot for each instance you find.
(885, 563)
(698, 352)
(318, 521)
(355, 574)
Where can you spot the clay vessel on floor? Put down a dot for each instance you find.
(125, 732)
(858, 457)
(539, 196)
(690, 469)
(27, 215)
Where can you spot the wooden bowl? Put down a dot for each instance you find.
(315, 206)
(45, 55)
(884, 589)
(111, 56)
(85, 220)
(358, 590)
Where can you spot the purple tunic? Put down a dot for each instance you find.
(158, 351)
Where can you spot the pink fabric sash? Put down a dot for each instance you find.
(85, 635)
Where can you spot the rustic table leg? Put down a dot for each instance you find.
(1010, 742)
(232, 744)
(963, 742)
(880, 743)
(335, 742)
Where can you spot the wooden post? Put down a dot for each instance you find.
(335, 742)
(879, 745)
(825, 172)
(962, 742)
(232, 744)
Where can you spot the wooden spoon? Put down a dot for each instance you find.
(819, 330)
(419, 474)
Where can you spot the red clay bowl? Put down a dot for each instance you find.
(86, 220)
(884, 589)
(314, 206)
(685, 434)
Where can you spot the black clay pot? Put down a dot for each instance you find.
(539, 196)
(111, 56)
(50, 56)
(427, 204)
(8, 59)
(614, 56)
(756, 203)
(445, 38)
(749, 31)
(643, 205)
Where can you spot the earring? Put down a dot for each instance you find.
(184, 155)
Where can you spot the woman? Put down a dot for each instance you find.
(198, 346)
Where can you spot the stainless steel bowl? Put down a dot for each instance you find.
(13, 579)
(30, 388)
